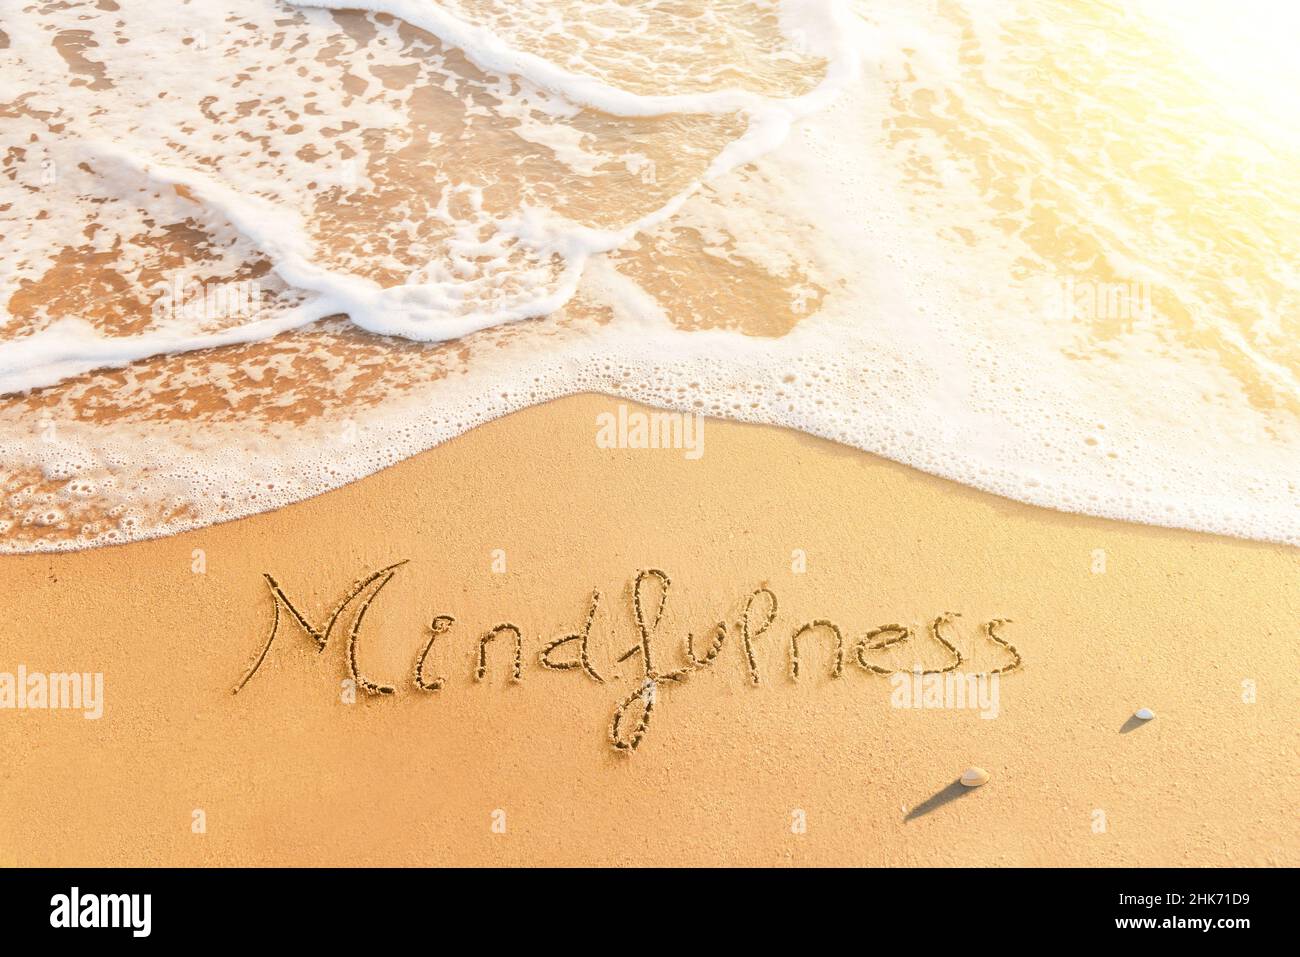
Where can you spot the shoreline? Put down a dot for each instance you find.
(610, 419)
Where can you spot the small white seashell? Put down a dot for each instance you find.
(1144, 714)
(974, 777)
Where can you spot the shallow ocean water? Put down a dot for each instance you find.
(255, 250)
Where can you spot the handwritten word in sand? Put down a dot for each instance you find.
(572, 652)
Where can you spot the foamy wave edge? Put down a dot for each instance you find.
(72, 347)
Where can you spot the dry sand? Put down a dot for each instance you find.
(286, 772)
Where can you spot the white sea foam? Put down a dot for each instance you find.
(884, 185)
(429, 311)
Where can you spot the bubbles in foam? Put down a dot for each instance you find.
(870, 281)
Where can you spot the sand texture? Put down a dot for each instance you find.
(1106, 617)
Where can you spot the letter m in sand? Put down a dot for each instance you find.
(321, 636)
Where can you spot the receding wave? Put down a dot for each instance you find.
(255, 250)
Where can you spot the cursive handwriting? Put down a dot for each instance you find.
(571, 652)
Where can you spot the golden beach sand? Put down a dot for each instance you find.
(1108, 618)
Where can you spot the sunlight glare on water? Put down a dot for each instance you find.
(259, 249)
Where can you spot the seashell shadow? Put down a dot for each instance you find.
(950, 793)
(1132, 724)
